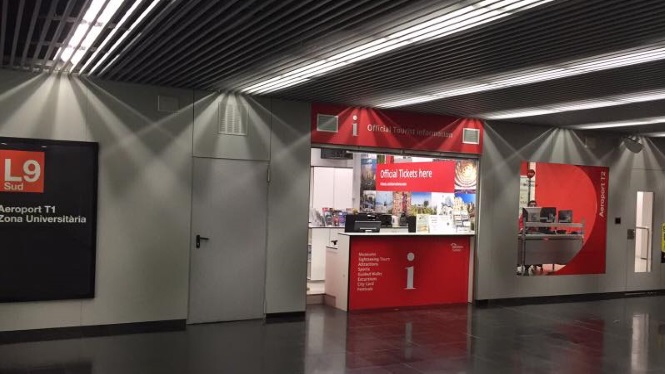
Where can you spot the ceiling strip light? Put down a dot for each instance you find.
(110, 36)
(470, 16)
(122, 38)
(634, 56)
(609, 125)
(602, 102)
(654, 134)
(95, 19)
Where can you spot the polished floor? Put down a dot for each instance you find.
(612, 336)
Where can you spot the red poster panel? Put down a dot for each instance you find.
(583, 190)
(400, 271)
(21, 171)
(369, 127)
(416, 176)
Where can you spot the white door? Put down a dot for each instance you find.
(228, 245)
(645, 216)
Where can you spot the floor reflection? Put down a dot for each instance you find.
(612, 336)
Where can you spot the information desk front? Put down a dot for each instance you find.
(389, 270)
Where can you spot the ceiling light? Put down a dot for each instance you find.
(654, 134)
(464, 18)
(110, 36)
(602, 102)
(634, 56)
(608, 125)
(122, 38)
(95, 19)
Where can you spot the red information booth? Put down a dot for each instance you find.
(399, 270)
(394, 267)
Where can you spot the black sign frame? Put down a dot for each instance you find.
(57, 284)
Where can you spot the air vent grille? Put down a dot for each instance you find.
(232, 117)
(471, 136)
(326, 123)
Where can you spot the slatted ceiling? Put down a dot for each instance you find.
(348, 39)
(31, 29)
(69, 31)
(58, 33)
(160, 37)
(630, 79)
(169, 49)
(231, 44)
(17, 29)
(3, 30)
(606, 114)
(137, 32)
(266, 33)
(156, 17)
(196, 52)
(200, 71)
(533, 40)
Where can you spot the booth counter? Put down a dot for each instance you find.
(398, 269)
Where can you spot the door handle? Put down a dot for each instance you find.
(198, 240)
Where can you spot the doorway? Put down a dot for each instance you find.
(228, 244)
(645, 216)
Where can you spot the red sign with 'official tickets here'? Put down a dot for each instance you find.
(402, 271)
(416, 177)
(21, 171)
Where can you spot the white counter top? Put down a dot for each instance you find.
(470, 233)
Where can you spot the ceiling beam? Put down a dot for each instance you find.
(56, 36)
(149, 29)
(17, 31)
(226, 37)
(150, 43)
(42, 37)
(185, 32)
(307, 30)
(31, 29)
(76, 23)
(76, 48)
(3, 28)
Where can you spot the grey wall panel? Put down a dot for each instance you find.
(505, 146)
(144, 194)
(40, 106)
(145, 202)
(208, 142)
(288, 197)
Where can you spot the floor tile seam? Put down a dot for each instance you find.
(512, 309)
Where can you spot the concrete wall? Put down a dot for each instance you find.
(505, 147)
(279, 132)
(145, 186)
(144, 193)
